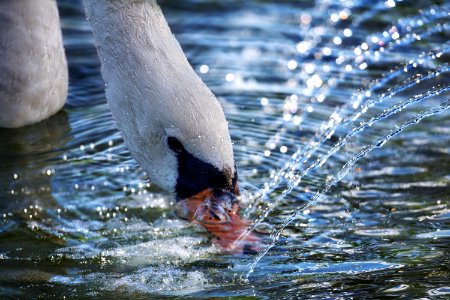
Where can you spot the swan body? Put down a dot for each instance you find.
(171, 122)
(33, 66)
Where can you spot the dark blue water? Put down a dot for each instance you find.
(339, 116)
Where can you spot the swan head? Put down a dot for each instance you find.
(183, 145)
(171, 122)
(195, 174)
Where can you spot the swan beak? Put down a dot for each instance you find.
(218, 212)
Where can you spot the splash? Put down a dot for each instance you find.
(345, 169)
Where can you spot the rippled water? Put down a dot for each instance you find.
(339, 116)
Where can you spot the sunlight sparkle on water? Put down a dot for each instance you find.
(230, 77)
(389, 3)
(292, 65)
(347, 32)
(305, 19)
(300, 103)
(326, 51)
(304, 46)
(264, 101)
(314, 82)
(309, 68)
(204, 69)
(337, 40)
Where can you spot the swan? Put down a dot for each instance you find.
(33, 66)
(172, 124)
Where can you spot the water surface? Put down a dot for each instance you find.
(339, 116)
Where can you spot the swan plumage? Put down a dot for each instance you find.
(154, 94)
(33, 66)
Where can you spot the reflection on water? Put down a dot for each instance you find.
(339, 117)
(25, 160)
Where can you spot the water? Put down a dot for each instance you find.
(340, 121)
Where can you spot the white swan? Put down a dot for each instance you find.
(33, 67)
(171, 122)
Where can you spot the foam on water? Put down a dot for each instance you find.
(161, 251)
(149, 280)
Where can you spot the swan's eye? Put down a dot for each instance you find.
(175, 145)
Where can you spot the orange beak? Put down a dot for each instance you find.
(217, 212)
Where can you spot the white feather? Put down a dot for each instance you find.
(33, 67)
(153, 92)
